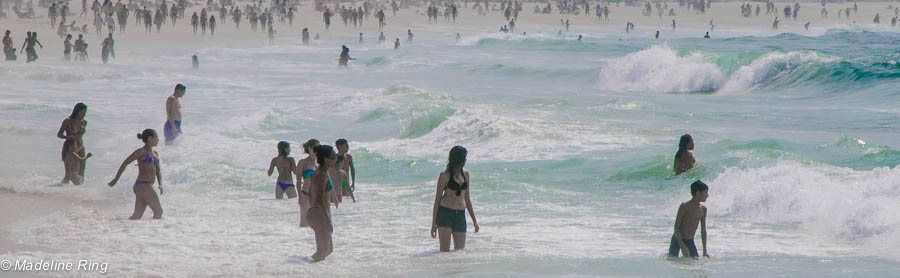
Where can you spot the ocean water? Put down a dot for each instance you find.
(570, 149)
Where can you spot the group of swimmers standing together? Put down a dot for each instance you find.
(324, 176)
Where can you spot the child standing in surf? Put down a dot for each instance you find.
(690, 214)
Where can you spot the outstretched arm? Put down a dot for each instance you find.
(125, 163)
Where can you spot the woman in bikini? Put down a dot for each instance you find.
(305, 169)
(448, 215)
(74, 128)
(319, 215)
(148, 172)
(285, 165)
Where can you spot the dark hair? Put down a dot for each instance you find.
(67, 147)
(698, 186)
(322, 152)
(283, 148)
(685, 140)
(78, 108)
(146, 134)
(311, 143)
(180, 87)
(341, 142)
(456, 160)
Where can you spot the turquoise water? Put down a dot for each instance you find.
(570, 149)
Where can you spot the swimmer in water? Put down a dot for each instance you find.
(319, 214)
(172, 128)
(690, 214)
(360, 38)
(285, 164)
(706, 36)
(409, 35)
(148, 172)
(345, 56)
(72, 161)
(305, 169)
(397, 43)
(684, 159)
(347, 166)
(657, 34)
(451, 201)
(340, 179)
(195, 62)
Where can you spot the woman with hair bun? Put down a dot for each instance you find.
(148, 172)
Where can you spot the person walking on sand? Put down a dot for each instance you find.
(148, 172)
(451, 201)
(172, 128)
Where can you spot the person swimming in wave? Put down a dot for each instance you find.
(706, 36)
(684, 160)
(345, 56)
(690, 214)
(285, 165)
(397, 43)
(451, 201)
(148, 172)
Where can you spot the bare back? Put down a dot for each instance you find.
(285, 166)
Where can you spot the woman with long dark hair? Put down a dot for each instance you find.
(319, 215)
(305, 169)
(74, 127)
(448, 215)
(148, 172)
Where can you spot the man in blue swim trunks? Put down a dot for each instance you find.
(690, 214)
(172, 127)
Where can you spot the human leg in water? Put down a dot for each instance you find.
(321, 225)
(144, 196)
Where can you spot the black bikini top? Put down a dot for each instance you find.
(453, 185)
